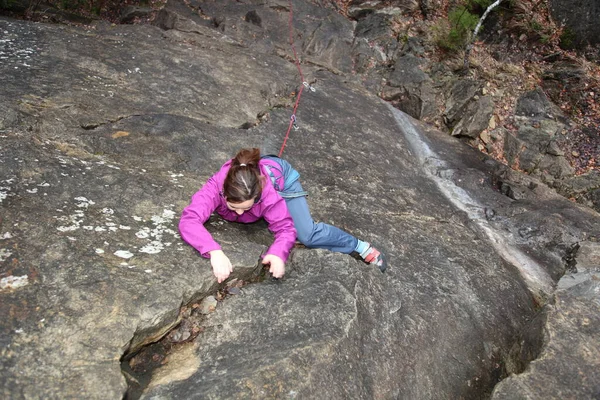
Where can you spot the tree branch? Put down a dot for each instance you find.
(476, 31)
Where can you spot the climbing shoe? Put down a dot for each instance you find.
(375, 257)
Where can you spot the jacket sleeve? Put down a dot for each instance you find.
(191, 225)
(281, 224)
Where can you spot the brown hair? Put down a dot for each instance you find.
(243, 181)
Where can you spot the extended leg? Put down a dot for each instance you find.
(317, 235)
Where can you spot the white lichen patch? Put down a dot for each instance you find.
(153, 248)
(143, 233)
(83, 202)
(174, 177)
(123, 254)
(18, 47)
(7, 235)
(5, 190)
(154, 237)
(161, 223)
(166, 216)
(4, 254)
(13, 282)
(3, 193)
(32, 191)
(74, 220)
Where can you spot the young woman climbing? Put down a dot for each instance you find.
(248, 188)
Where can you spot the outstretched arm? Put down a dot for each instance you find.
(281, 224)
(191, 225)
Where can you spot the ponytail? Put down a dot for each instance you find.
(243, 181)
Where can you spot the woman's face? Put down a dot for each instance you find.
(240, 208)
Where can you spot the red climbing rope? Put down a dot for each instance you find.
(291, 26)
(293, 117)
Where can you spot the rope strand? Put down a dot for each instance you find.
(293, 117)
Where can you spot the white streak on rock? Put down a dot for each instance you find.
(538, 280)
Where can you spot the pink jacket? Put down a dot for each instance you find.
(209, 198)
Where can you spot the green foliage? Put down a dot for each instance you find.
(402, 38)
(93, 6)
(456, 33)
(536, 26)
(567, 39)
(462, 20)
(75, 10)
(6, 3)
(482, 3)
(71, 4)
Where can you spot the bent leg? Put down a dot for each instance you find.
(317, 235)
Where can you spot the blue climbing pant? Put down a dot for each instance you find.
(314, 235)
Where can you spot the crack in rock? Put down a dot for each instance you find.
(171, 354)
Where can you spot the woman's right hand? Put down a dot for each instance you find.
(220, 264)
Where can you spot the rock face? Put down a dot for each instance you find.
(106, 133)
(581, 20)
(576, 310)
(410, 88)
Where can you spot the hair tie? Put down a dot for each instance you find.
(243, 165)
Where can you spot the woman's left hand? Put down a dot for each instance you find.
(277, 268)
